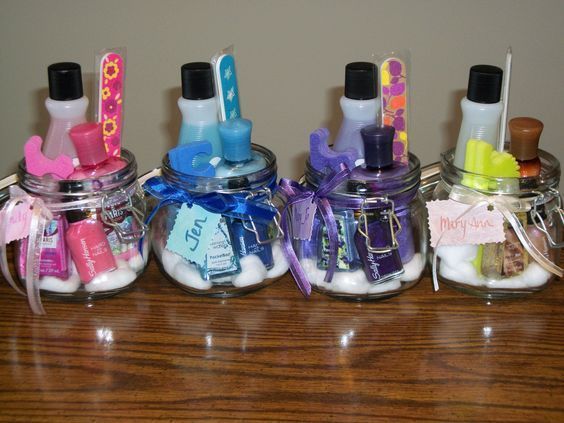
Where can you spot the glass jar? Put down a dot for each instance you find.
(208, 245)
(83, 242)
(381, 234)
(505, 269)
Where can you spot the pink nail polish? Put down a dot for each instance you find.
(91, 152)
(88, 245)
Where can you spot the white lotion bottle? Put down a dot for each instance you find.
(199, 107)
(66, 105)
(481, 109)
(360, 105)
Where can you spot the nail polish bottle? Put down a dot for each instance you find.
(481, 109)
(199, 107)
(91, 152)
(381, 173)
(525, 134)
(66, 105)
(54, 260)
(245, 242)
(377, 223)
(88, 245)
(238, 157)
(359, 105)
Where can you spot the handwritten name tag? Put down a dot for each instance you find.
(192, 232)
(17, 226)
(458, 226)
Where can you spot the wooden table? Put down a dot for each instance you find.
(156, 353)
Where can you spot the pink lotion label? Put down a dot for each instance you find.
(455, 224)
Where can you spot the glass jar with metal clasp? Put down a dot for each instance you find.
(218, 236)
(529, 257)
(370, 242)
(79, 239)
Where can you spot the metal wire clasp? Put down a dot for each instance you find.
(538, 221)
(253, 228)
(392, 218)
(125, 206)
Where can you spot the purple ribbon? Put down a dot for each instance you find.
(296, 193)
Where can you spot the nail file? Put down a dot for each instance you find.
(110, 104)
(37, 164)
(227, 88)
(393, 78)
(182, 158)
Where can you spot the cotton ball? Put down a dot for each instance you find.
(463, 273)
(115, 279)
(253, 271)
(169, 260)
(533, 276)
(187, 274)
(391, 285)
(53, 284)
(136, 263)
(452, 255)
(280, 263)
(354, 282)
(413, 268)
(313, 273)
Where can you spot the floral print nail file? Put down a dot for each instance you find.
(394, 103)
(112, 72)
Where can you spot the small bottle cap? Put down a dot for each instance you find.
(236, 139)
(65, 81)
(361, 81)
(378, 145)
(197, 81)
(484, 84)
(525, 134)
(89, 143)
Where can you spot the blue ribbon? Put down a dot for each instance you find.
(232, 205)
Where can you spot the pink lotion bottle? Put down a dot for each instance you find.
(66, 105)
(91, 151)
(88, 245)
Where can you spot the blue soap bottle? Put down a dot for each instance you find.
(238, 157)
(198, 106)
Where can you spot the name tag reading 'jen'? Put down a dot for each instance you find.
(458, 226)
(192, 232)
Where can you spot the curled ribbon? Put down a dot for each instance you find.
(40, 215)
(295, 194)
(507, 205)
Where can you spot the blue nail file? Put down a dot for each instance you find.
(183, 158)
(228, 90)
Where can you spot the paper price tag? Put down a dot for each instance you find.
(479, 226)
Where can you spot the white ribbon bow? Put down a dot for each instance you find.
(40, 215)
(507, 205)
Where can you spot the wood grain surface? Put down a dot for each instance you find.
(156, 353)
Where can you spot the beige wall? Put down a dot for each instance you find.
(290, 57)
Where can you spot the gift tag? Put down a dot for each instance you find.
(303, 213)
(192, 232)
(459, 226)
(17, 226)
